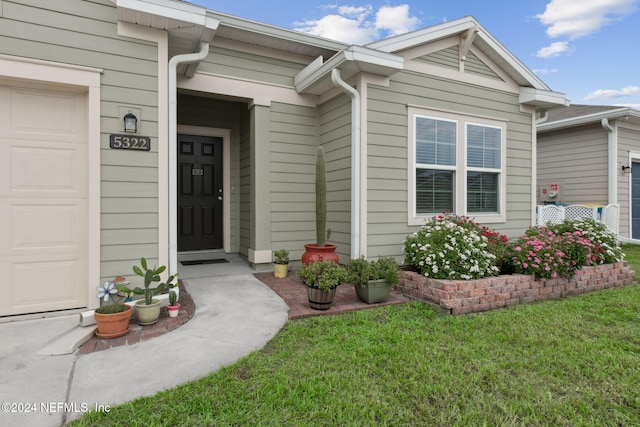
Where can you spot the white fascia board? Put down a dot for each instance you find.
(542, 98)
(364, 59)
(426, 35)
(586, 119)
(448, 29)
(179, 11)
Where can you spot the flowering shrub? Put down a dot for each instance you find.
(450, 247)
(605, 239)
(545, 254)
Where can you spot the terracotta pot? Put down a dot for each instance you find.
(317, 253)
(173, 310)
(148, 314)
(113, 325)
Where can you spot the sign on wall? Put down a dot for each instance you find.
(130, 142)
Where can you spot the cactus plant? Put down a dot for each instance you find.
(321, 198)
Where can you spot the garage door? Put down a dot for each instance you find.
(43, 199)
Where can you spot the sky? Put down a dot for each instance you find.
(586, 49)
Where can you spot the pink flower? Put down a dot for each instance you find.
(517, 249)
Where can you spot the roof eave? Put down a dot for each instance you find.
(542, 99)
(316, 77)
(618, 113)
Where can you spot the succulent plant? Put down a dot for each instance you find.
(321, 198)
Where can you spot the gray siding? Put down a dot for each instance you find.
(628, 141)
(85, 33)
(250, 66)
(577, 159)
(335, 136)
(388, 152)
(293, 149)
(448, 58)
(474, 65)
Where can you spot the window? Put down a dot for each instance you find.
(456, 164)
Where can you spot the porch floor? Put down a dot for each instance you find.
(294, 293)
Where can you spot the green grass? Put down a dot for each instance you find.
(569, 362)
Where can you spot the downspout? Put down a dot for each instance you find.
(612, 170)
(173, 148)
(355, 160)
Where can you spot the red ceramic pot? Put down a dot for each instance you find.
(317, 253)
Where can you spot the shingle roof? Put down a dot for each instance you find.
(577, 110)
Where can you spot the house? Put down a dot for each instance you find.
(590, 154)
(159, 128)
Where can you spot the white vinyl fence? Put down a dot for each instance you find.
(557, 213)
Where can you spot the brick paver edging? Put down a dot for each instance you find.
(139, 333)
(471, 296)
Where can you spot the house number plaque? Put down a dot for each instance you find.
(130, 142)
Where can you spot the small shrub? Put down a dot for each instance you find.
(547, 255)
(111, 308)
(450, 247)
(599, 234)
(322, 274)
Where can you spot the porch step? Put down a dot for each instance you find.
(67, 342)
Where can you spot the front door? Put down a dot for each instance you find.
(199, 193)
(635, 200)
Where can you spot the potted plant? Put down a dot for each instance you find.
(148, 308)
(173, 308)
(321, 278)
(320, 250)
(373, 280)
(281, 263)
(112, 320)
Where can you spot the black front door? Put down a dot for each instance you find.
(199, 193)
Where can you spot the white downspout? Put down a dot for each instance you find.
(355, 160)
(173, 148)
(612, 169)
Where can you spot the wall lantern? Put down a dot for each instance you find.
(626, 169)
(130, 122)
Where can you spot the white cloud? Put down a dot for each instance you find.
(396, 19)
(554, 49)
(613, 93)
(359, 25)
(578, 18)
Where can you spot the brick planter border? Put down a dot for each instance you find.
(472, 296)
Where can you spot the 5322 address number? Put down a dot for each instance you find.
(128, 142)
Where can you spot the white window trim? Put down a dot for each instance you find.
(460, 193)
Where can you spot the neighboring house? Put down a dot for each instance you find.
(229, 114)
(591, 155)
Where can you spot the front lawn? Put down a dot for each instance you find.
(568, 362)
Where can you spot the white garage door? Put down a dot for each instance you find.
(43, 199)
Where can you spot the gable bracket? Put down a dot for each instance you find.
(466, 40)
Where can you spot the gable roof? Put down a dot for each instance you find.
(484, 41)
(581, 114)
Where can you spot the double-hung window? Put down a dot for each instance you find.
(456, 164)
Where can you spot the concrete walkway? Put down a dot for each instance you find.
(235, 315)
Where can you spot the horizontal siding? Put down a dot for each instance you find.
(388, 152)
(474, 65)
(576, 158)
(628, 141)
(293, 148)
(250, 66)
(448, 58)
(84, 33)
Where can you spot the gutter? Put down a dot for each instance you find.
(355, 160)
(173, 147)
(612, 150)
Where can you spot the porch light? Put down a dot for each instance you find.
(130, 122)
(626, 169)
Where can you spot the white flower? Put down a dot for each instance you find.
(105, 290)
